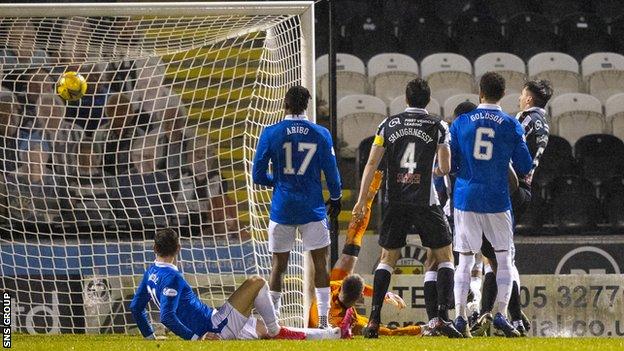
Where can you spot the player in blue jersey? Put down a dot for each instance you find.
(299, 150)
(187, 316)
(483, 142)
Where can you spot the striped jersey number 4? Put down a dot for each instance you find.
(483, 148)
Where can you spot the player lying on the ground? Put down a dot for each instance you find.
(347, 288)
(188, 317)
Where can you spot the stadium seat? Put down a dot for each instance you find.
(321, 28)
(358, 118)
(390, 73)
(614, 111)
(574, 205)
(510, 104)
(510, 66)
(369, 35)
(448, 74)
(603, 73)
(614, 203)
(562, 70)
(475, 34)
(448, 10)
(534, 216)
(617, 29)
(350, 76)
(531, 33)
(453, 101)
(351, 8)
(583, 34)
(421, 35)
(556, 161)
(502, 10)
(398, 105)
(557, 9)
(575, 115)
(601, 156)
(608, 10)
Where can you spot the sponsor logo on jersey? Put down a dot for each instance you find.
(394, 122)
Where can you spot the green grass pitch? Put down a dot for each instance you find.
(122, 342)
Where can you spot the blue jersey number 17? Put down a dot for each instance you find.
(309, 148)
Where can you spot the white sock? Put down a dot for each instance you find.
(475, 287)
(515, 275)
(431, 276)
(504, 281)
(264, 306)
(462, 284)
(319, 334)
(276, 297)
(322, 302)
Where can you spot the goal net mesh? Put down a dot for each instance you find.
(164, 137)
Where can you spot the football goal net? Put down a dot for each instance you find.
(177, 96)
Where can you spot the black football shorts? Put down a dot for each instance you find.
(428, 221)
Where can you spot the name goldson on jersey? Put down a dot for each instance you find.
(410, 131)
(486, 115)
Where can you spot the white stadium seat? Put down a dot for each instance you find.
(350, 76)
(398, 105)
(510, 66)
(510, 104)
(390, 73)
(604, 74)
(614, 111)
(562, 70)
(575, 115)
(358, 118)
(448, 74)
(453, 101)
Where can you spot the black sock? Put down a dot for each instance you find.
(515, 311)
(488, 297)
(380, 288)
(431, 299)
(445, 284)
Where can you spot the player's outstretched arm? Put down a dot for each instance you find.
(261, 161)
(374, 158)
(137, 306)
(168, 307)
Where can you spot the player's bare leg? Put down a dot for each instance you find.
(346, 263)
(321, 283)
(254, 293)
(279, 264)
(381, 281)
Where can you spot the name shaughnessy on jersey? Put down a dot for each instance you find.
(409, 139)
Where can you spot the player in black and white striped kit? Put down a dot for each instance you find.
(535, 95)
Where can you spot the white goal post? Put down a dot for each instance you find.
(178, 94)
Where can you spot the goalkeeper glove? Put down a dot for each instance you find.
(334, 207)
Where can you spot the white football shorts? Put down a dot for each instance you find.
(471, 226)
(238, 327)
(315, 235)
